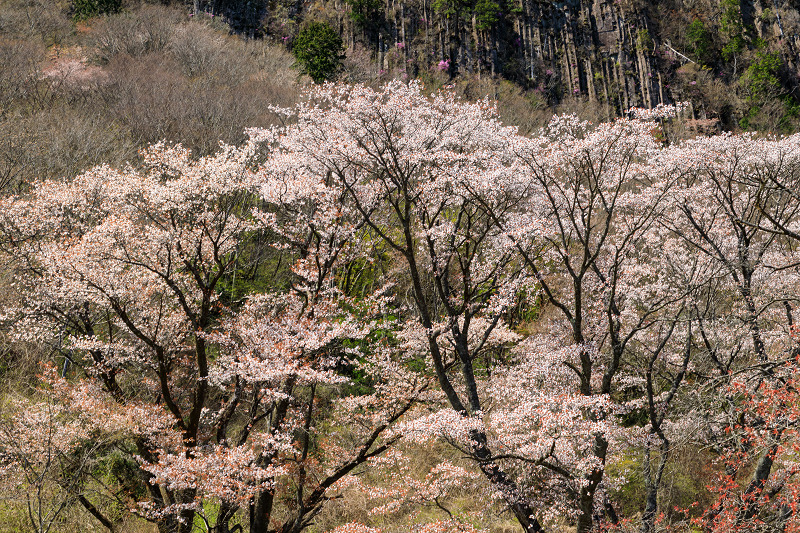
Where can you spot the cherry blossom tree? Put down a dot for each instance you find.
(748, 336)
(600, 193)
(762, 439)
(129, 265)
(479, 217)
(423, 176)
(45, 460)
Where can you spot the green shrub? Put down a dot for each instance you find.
(318, 49)
(644, 41)
(698, 39)
(732, 28)
(771, 106)
(762, 76)
(84, 9)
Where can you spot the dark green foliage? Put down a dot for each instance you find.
(732, 29)
(526, 311)
(767, 95)
(118, 468)
(487, 14)
(447, 7)
(318, 49)
(84, 9)
(364, 13)
(733, 47)
(762, 76)
(257, 268)
(698, 39)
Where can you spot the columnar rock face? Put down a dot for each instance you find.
(592, 48)
(616, 53)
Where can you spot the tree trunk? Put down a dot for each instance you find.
(260, 512)
(652, 486)
(587, 494)
(522, 511)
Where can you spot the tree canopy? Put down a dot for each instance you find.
(253, 333)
